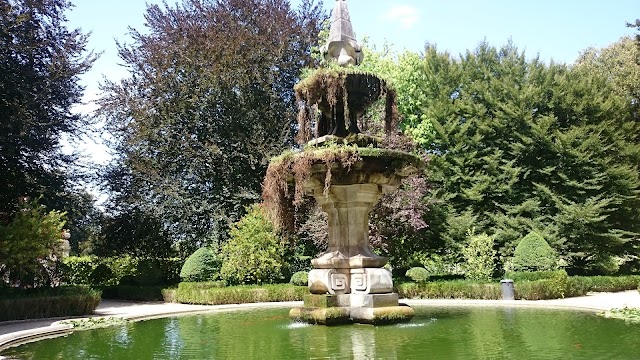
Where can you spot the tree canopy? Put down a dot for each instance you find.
(521, 145)
(208, 101)
(40, 61)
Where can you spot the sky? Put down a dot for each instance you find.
(555, 30)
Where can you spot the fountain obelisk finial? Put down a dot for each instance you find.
(342, 45)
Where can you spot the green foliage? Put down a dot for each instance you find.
(76, 270)
(90, 270)
(196, 293)
(101, 275)
(95, 322)
(148, 273)
(132, 233)
(531, 286)
(519, 145)
(479, 256)
(417, 274)
(202, 265)
(40, 66)
(619, 63)
(301, 278)
(28, 242)
(441, 265)
(607, 283)
(254, 254)
(553, 287)
(19, 304)
(449, 290)
(518, 276)
(533, 253)
(626, 314)
(133, 292)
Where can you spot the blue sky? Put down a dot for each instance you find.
(552, 29)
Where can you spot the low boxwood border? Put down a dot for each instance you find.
(22, 304)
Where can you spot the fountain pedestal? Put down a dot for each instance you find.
(348, 282)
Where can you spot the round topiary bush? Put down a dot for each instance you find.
(533, 253)
(417, 274)
(102, 275)
(301, 278)
(148, 273)
(202, 265)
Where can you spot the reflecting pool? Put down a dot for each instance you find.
(435, 333)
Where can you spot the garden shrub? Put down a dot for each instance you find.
(76, 270)
(133, 292)
(20, 304)
(607, 283)
(101, 275)
(202, 265)
(554, 287)
(533, 253)
(479, 255)
(301, 278)
(519, 276)
(461, 289)
(148, 273)
(27, 242)
(442, 266)
(254, 254)
(196, 293)
(417, 274)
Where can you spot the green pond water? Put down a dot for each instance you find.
(435, 333)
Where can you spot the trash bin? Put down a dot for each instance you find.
(507, 289)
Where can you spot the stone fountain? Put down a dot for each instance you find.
(347, 173)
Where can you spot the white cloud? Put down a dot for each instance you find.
(405, 15)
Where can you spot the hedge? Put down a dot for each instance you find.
(133, 292)
(449, 290)
(518, 276)
(91, 270)
(213, 294)
(549, 285)
(21, 304)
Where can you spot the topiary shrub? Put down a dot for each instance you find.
(102, 275)
(148, 273)
(202, 265)
(254, 254)
(301, 278)
(417, 274)
(533, 253)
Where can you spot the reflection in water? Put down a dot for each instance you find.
(440, 333)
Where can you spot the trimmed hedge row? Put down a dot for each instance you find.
(549, 285)
(212, 294)
(21, 304)
(608, 283)
(133, 292)
(519, 276)
(449, 290)
(91, 270)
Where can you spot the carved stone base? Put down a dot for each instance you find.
(352, 308)
(355, 281)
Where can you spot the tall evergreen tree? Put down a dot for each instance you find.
(208, 102)
(524, 146)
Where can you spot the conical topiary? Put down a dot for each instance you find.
(533, 253)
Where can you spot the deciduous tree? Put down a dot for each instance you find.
(208, 102)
